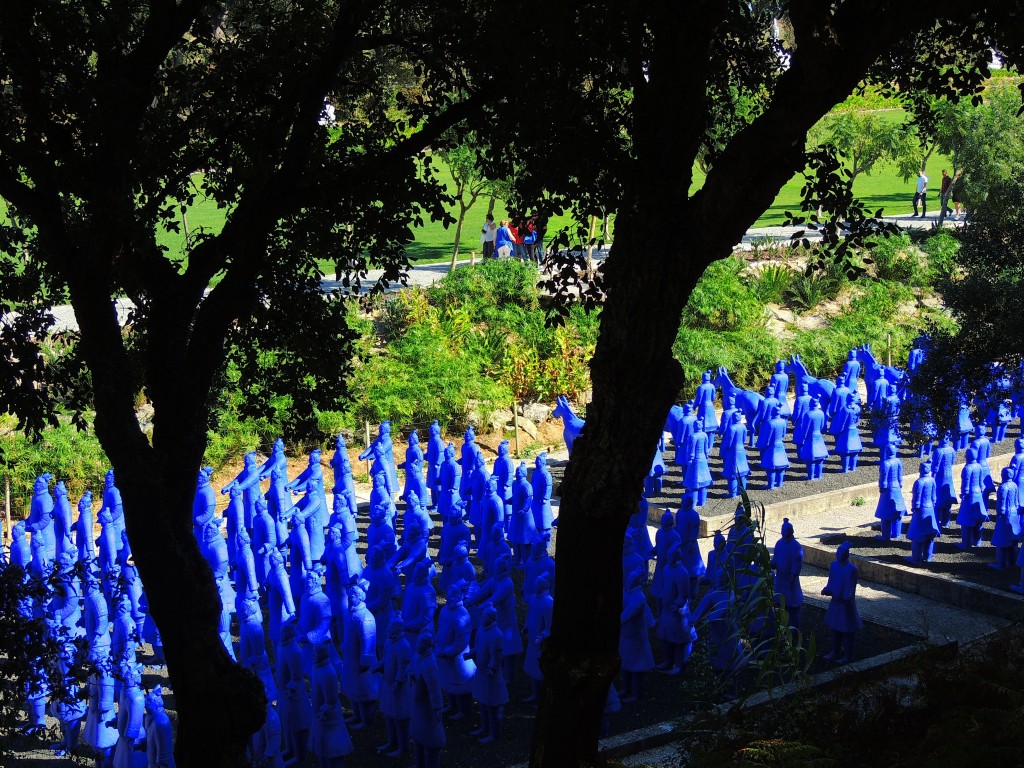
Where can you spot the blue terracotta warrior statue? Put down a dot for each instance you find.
(684, 428)
(467, 460)
(40, 519)
(112, 501)
(972, 502)
(813, 450)
(735, 468)
(435, 455)
(704, 406)
(83, 529)
(688, 525)
(425, 726)
(965, 427)
(382, 590)
(945, 493)
(773, 453)
(891, 505)
(542, 487)
(698, 476)
(837, 405)
(159, 734)
(359, 680)
(62, 524)
(787, 563)
(451, 645)
(504, 473)
(729, 401)
(538, 629)
(851, 370)
(489, 682)
(1006, 535)
(924, 526)
(983, 449)
(295, 707)
(395, 690)
(522, 528)
(248, 481)
(848, 442)
(842, 617)
(801, 406)
(674, 628)
(760, 426)
(329, 737)
(634, 641)
(450, 478)
(780, 387)
(343, 480)
(665, 539)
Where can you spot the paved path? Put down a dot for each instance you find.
(423, 275)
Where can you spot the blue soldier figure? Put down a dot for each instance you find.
(924, 526)
(842, 616)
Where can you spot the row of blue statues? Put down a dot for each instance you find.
(821, 408)
(933, 497)
(315, 621)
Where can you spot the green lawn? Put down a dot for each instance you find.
(433, 242)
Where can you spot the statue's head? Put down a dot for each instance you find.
(449, 451)
(803, 388)
(313, 583)
(521, 471)
(737, 417)
(425, 642)
(377, 557)
(542, 460)
(250, 460)
(1006, 474)
(503, 448)
(356, 593)
(278, 446)
(815, 404)
(461, 551)
(396, 627)
(85, 503)
(155, 700)
(414, 438)
(668, 520)
(60, 490)
(470, 435)
(488, 616)
(339, 443)
(314, 457)
(779, 366)
(705, 377)
(109, 479)
(843, 552)
(422, 572)
(787, 528)
(435, 429)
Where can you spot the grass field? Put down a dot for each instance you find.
(433, 242)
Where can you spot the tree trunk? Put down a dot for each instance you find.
(635, 380)
(463, 209)
(220, 704)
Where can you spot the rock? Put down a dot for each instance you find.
(144, 413)
(528, 427)
(537, 412)
(498, 419)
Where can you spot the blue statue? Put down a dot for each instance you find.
(489, 683)
(419, 601)
(329, 739)
(412, 552)
(851, 370)
(382, 589)
(478, 493)
(467, 460)
(972, 502)
(538, 629)
(296, 708)
(945, 494)
(760, 427)
(279, 593)
(40, 519)
(837, 405)
(449, 480)
(924, 525)
(522, 528)
(800, 407)
(504, 471)
(842, 617)
(344, 483)
(542, 486)
(311, 482)
(634, 643)
(965, 427)
(425, 727)
(131, 710)
(278, 503)
(381, 497)
(674, 627)
(819, 388)
(729, 409)
(780, 387)
(787, 563)
(698, 476)
(983, 449)
(359, 681)
(62, 525)
(887, 429)
(735, 468)
(848, 442)
(637, 530)
(112, 501)
(395, 690)
(248, 481)
(540, 565)
(456, 668)
(492, 513)
(813, 450)
(497, 548)
(435, 455)
(746, 400)
(717, 609)
(773, 452)
(631, 561)
(99, 733)
(159, 734)
(684, 430)
(499, 591)
(379, 533)
(704, 405)
(1006, 535)
(891, 505)
(664, 540)
(572, 424)
(688, 525)
(83, 529)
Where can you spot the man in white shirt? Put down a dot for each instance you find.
(487, 235)
(920, 195)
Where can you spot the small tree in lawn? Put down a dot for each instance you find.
(866, 138)
(470, 183)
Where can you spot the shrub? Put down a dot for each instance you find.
(941, 248)
(808, 291)
(897, 260)
(721, 301)
(749, 355)
(772, 282)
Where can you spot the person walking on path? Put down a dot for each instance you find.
(921, 194)
(944, 193)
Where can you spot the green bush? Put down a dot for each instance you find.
(494, 283)
(749, 354)
(772, 281)
(941, 248)
(70, 455)
(721, 301)
(898, 260)
(808, 291)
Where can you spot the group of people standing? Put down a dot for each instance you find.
(950, 189)
(521, 237)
